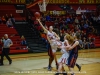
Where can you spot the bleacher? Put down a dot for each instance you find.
(9, 9)
(14, 36)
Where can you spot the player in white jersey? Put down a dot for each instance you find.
(53, 39)
(64, 57)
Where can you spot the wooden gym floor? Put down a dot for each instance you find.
(36, 64)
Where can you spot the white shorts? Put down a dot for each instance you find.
(64, 58)
(54, 46)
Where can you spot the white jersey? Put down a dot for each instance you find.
(65, 54)
(51, 35)
(53, 42)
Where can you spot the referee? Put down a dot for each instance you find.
(6, 49)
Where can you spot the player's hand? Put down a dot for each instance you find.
(63, 47)
(57, 39)
(67, 47)
(38, 19)
(59, 46)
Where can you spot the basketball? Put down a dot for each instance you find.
(37, 14)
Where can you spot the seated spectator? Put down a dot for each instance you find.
(3, 20)
(92, 42)
(88, 42)
(61, 37)
(9, 23)
(48, 18)
(83, 16)
(80, 43)
(2, 40)
(71, 19)
(86, 25)
(23, 41)
(85, 43)
(76, 20)
(6, 17)
(68, 20)
(12, 18)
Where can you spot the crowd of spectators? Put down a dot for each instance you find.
(72, 24)
(7, 19)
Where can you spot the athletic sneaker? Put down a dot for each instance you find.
(79, 67)
(64, 73)
(73, 74)
(61, 73)
(49, 68)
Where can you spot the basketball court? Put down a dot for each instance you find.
(36, 64)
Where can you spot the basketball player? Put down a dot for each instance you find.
(73, 54)
(53, 39)
(64, 57)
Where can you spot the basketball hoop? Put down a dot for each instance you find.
(42, 5)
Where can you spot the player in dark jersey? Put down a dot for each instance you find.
(73, 55)
(73, 52)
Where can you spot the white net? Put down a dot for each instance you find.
(42, 5)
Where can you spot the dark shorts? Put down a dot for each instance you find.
(72, 60)
(50, 51)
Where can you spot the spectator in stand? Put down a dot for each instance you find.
(82, 26)
(73, 33)
(2, 40)
(30, 22)
(0, 20)
(83, 16)
(79, 32)
(48, 18)
(43, 19)
(9, 23)
(84, 34)
(60, 23)
(3, 20)
(12, 18)
(56, 23)
(80, 43)
(23, 41)
(86, 25)
(76, 20)
(92, 42)
(68, 20)
(61, 36)
(6, 17)
(88, 40)
(71, 19)
(85, 45)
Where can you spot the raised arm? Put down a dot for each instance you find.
(66, 41)
(45, 30)
(57, 36)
